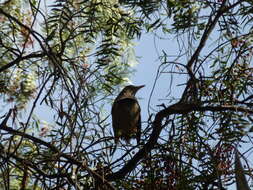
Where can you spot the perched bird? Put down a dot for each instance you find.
(126, 115)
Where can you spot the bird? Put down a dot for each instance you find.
(126, 115)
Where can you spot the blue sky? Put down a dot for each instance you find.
(148, 50)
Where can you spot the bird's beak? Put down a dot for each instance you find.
(139, 87)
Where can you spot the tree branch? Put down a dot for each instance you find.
(178, 108)
(21, 58)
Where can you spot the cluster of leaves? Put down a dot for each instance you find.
(17, 84)
(98, 28)
(72, 34)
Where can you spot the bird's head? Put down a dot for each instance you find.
(131, 90)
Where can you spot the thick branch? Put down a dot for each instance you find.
(179, 108)
(20, 58)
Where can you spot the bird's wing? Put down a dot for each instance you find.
(138, 134)
(116, 111)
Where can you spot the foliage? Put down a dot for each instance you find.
(68, 56)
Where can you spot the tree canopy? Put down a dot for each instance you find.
(69, 58)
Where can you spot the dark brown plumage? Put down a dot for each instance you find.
(126, 117)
